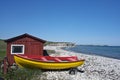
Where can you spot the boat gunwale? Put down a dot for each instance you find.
(30, 59)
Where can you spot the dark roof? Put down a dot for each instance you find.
(24, 35)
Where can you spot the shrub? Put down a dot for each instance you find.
(22, 74)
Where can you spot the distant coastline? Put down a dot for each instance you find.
(98, 45)
(101, 50)
(49, 43)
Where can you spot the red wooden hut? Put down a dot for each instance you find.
(24, 44)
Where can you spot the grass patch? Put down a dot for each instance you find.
(50, 51)
(22, 74)
(2, 54)
(2, 49)
(2, 44)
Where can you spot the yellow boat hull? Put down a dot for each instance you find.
(22, 62)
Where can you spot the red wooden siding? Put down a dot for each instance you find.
(32, 46)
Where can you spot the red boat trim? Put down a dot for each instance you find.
(49, 59)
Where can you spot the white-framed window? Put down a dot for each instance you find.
(17, 49)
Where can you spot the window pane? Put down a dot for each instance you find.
(17, 49)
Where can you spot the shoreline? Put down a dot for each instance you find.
(95, 67)
(91, 53)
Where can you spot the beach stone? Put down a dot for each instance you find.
(95, 67)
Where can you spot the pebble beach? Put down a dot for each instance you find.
(95, 67)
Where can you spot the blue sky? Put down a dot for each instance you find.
(80, 21)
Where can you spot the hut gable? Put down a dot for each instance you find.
(25, 36)
(24, 44)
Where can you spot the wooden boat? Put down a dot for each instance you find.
(47, 62)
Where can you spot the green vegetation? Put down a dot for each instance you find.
(2, 54)
(22, 74)
(2, 49)
(51, 51)
(2, 44)
(59, 43)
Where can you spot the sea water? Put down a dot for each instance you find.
(106, 51)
